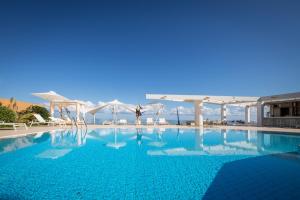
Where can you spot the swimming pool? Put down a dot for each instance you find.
(151, 164)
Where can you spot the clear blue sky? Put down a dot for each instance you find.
(123, 49)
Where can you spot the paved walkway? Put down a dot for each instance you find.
(22, 132)
(33, 130)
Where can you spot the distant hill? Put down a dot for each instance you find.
(21, 105)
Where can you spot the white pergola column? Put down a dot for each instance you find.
(51, 109)
(260, 113)
(83, 113)
(94, 115)
(79, 137)
(223, 113)
(52, 138)
(260, 142)
(224, 135)
(247, 115)
(60, 110)
(248, 135)
(77, 111)
(199, 133)
(198, 113)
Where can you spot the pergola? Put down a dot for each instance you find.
(199, 100)
(61, 102)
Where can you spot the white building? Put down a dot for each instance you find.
(284, 110)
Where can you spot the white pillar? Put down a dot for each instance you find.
(260, 141)
(223, 113)
(52, 138)
(83, 110)
(60, 110)
(224, 135)
(247, 115)
(199, 138)
(260, 113)
(198, 113)
(94, 118)
(248, 135)
(51, 109)
(77, 111)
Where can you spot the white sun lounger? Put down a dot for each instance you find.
(68, 121)
(41, 120)
(162, 121)
(149, 121)
(123, 122)
(58, 121)
(14, 125)
(106, 122)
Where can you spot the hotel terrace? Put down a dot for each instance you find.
(272, 111)
(284, 109)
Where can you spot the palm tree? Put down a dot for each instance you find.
(13, 104)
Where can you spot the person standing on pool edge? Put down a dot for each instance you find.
(138, 114)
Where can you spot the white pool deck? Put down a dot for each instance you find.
(33, 130)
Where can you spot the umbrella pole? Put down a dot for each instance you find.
(115, 136)
(114, 114)
(114, 118)
(178, 120)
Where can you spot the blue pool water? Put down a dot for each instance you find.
(151, 164)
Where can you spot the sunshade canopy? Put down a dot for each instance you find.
(115, 105)
(54, 97)
(203, 98)
(50, 96)
(153, 107)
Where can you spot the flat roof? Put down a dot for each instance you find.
(280, 97)
(204, 98)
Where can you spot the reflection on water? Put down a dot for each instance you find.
(13, 144)
(178, 142)
(116, 144)
(63, 142)
(68, 138)
(163, 142)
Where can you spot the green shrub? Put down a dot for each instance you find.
(7, 115)
(26, 118)
(38, 110)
